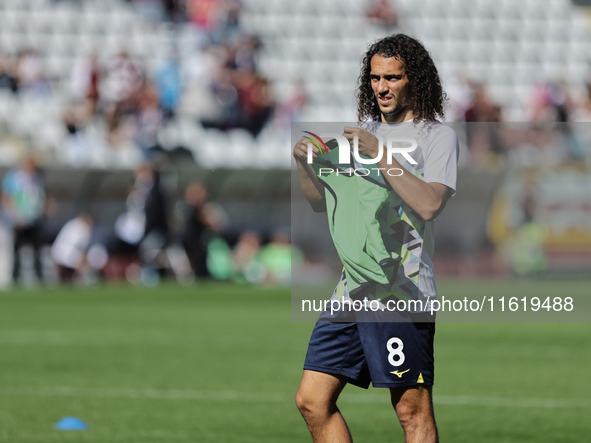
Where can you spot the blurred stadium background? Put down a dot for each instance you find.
(153, 136)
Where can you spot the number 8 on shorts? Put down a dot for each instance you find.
(395, 355)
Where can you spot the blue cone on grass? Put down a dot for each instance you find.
(71, 424)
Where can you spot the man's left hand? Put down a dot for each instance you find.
(368, 143)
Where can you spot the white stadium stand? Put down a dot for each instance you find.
(508, 44)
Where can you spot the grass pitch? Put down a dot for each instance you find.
(220, 363)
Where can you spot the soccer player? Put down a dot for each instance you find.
(382, 225)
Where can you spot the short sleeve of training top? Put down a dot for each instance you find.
(441, 158)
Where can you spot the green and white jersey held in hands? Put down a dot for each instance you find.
(384, 245)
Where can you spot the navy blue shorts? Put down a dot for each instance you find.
(389, 354)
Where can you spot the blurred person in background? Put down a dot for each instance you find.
(198, 73)
(269, 264)
(460, 97)
(225, 96)
(156, 237)
(246, 265)
(175, 10)
(123, 93)
(481, 107)
(70, 247)
(516, 226)
(196, 229)
(147, 119)
(169, 86)
(85, 79)
(78, 146)
(551, 102)
(256, 101)
(383, 13)
(7, 74)
(484, 141)
(278, 257)
(526, 247)
(30, 73)
(290, 108)
(156, 204)
(204, 14)
(582, 113)
(229, 24)
(244, 96)
(142, 231)
(23, 204)
(123, 77)
(244, 52)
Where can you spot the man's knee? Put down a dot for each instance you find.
(413, 410)
(409, 413)
(318, 393)
(310, 404)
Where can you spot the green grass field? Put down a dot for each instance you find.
(220, 363)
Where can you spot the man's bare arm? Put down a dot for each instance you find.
(426, 199)
(311, 186)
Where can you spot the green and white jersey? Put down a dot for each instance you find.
(384, 245)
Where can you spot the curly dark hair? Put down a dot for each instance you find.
(426, 91)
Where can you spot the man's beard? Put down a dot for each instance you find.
(398, 109)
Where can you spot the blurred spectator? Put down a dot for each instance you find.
(204, 14)
(246, 262)
(123, 90)
(229, 24)
(289, 109)
(200, 223)
(130, 226)
(30, 72)
(484, 140)
(256, 101)
(7, 75)
(123, 78)
(156, 204)
(583, 112)
(23, 204)
(244, 53)
(148, 120)
(518, 231)
(70, 246)
(144, 224)
(551, 102)
(276, 257)
(383, 13)
(198, 73)
(225, 95)
(85, 79)
(482, 109)
(169, 86)
(246, 100)
(459, 92)
(174, 10)
(78, 146)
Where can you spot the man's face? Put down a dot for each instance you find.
(391, 88)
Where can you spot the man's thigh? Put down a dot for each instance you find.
(335, 348)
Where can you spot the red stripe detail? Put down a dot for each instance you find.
(319, 139)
